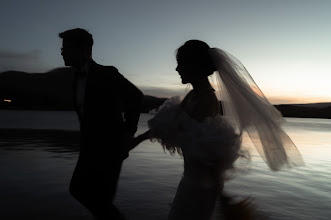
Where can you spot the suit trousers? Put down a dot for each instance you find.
(94, 185)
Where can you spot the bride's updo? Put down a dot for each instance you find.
(196, 54)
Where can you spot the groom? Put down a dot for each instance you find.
(108, 108)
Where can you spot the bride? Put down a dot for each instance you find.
(208, 141)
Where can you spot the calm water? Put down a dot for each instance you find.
(36, 167)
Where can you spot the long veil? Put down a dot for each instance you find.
(245, 106)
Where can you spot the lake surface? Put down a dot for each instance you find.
(39, 149)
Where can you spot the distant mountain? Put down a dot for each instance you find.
(318, 110)
(46, 91)
(50, 90)
(314, 105)
(151, 103)
(53, 91)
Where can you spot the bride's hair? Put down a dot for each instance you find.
(196, 53)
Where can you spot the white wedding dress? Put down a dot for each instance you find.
(195, 129)
(210, 143)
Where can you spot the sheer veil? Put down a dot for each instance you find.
(245, 106)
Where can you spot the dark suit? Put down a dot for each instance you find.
(111, 112)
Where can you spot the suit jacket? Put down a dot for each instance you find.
(111, 111)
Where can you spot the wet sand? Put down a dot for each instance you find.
(36, 168)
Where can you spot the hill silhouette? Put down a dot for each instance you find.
(53, 91)
(47, 91)
(314, 110)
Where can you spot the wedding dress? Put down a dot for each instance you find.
(208, 145)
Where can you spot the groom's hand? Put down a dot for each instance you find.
(131, 142)
(128, 142)
(140, 138)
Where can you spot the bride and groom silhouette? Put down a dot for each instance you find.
(108, 108)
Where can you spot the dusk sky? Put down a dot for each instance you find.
(284, 44)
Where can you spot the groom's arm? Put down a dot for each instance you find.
(132, 99)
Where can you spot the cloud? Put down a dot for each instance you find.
(276, 100)
(21, 61)
(32, 55)
(167, 92)
(163, 92)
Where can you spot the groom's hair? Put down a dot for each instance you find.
(78, 37)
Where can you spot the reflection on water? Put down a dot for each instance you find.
(56, 141)
(36, 167)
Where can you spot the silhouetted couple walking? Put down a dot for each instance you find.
(108, 107)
